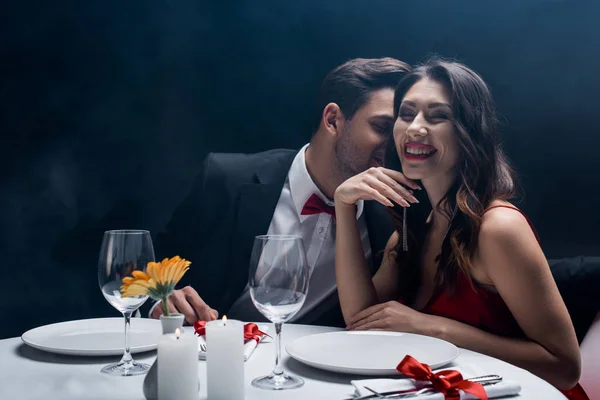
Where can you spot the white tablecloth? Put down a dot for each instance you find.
(27, 374)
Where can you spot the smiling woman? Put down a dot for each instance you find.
(469, 268)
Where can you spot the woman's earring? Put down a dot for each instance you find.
(404, 231)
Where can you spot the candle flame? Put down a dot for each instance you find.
(224, 319)
(177, 332)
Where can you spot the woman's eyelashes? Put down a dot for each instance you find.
(439, 116)
(408, 116)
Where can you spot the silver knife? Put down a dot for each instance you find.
(483, 380)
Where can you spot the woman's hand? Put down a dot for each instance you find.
(380, 184)
(391, 316)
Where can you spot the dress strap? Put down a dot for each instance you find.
(520, 211)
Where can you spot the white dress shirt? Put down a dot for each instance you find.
(317, 232)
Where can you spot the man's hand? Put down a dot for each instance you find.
(187, 302)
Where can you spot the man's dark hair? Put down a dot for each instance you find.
(350, 85)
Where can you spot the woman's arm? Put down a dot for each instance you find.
(509, 254)
(356, 289)
(562, 372)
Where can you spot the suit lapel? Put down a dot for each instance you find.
(256, 205)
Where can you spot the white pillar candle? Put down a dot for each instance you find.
(225, 360)
(178, 366)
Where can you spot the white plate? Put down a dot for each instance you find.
(369, 352)
(95, 337)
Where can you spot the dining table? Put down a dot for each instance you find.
(27, 373)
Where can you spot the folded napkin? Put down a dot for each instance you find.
(253, 334)
(500, 389)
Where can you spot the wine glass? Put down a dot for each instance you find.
(278, 284)
(122, 252)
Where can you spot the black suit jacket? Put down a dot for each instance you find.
(233, 200)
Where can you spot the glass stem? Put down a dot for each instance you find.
(278, 370)
(127, 359)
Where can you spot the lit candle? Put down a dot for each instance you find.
(225, 360)
(178, 367)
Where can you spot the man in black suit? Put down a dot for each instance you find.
(239, 196)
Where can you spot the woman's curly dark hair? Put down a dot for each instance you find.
(483, 175)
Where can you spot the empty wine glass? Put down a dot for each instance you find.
(122, 252)
(278, 284)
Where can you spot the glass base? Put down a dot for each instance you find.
(278, 382)
(126, 369)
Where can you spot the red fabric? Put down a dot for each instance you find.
(483, 309)
(200, 328)
(251, 331)
(447, 382)
(316, 205)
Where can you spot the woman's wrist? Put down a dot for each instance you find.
(342, 208)
(434, 326)
(338, 202)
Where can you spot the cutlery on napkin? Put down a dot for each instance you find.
(500, 389)
(249, 346)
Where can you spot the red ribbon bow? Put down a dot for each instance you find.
(251, 331)
(200, 328)
(447, 382)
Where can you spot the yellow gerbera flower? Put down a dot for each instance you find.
(137, 285)
(158, 281)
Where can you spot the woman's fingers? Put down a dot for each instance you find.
(401, 190)
(385, 190)
(374, 194)
(399, 177)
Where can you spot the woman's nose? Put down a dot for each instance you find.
(417, 128)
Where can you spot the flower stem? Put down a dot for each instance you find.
(165, 305)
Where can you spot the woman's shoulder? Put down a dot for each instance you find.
(501, 216)
(504, 225)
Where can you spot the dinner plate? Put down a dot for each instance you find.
(369, 352)
(95, 337)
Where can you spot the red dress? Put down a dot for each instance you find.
(483, 309)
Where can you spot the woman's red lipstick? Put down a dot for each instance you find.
(418, 151)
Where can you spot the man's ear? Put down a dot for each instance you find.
(332, 118)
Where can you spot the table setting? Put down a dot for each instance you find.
(231, 359)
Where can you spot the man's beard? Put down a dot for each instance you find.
(347, 164)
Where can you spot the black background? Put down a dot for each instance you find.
(107, 109)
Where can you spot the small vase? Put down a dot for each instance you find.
(171, 322)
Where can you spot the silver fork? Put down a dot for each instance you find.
(400, 395)
(483, 380)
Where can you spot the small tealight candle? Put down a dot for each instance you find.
(178, 367)
(225, 360)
